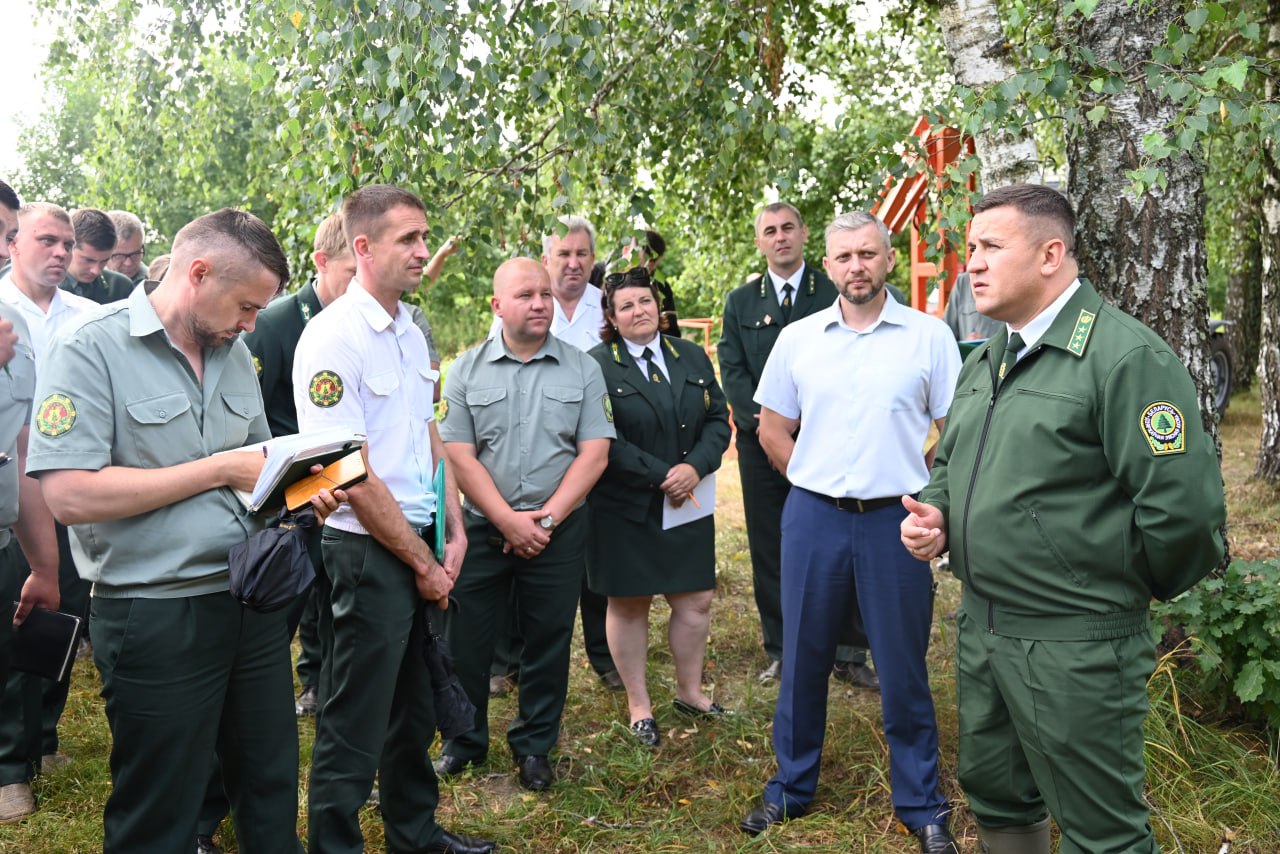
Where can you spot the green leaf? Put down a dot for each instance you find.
(1235, 73)
(1249, 684)
(1096, 114)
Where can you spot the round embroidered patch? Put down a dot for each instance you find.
(57, 416)
(325, 389)
(1162, 428)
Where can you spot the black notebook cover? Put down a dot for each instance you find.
(45, 644)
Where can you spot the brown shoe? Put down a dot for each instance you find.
(16, 802)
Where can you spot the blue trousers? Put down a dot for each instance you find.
(834, 561)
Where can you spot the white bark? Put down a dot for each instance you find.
(976, 48)
(1269, 344)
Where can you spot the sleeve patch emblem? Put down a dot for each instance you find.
(444, 408)
(325, 389)
(257, 366)
(1163, 429)
(57, 416)
(608, 407)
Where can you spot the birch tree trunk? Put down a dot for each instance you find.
(1269, 347)
(1244, 294)
(976, 49)
(1146, 253)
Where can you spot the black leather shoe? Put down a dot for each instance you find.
(535, 773)
(206, 845)
(857, 675)
(612, 680)
(935, 839)
(715, 710)
(646, 732)
(308, 702)
(760, 818)
(461, 843)
(450, 766)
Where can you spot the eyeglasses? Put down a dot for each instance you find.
(634, 276)
(125, 256)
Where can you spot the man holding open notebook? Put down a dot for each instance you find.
(132, 404)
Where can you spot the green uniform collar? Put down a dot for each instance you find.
(1072, 327)
(807, 283)
(309, 304)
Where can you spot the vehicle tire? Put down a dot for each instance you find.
(1221, 371)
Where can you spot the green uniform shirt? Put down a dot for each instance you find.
(17, 386)
(113, 391)
(1085, 486)
(272, 343)
(108, 287)
(525, 418)
(752, 323)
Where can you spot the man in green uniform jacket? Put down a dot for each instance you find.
(87, 274)
(1073, 482)
(754, 315)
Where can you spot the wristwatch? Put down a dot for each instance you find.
(548, 522)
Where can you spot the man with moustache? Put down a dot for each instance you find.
(867, 377)
(527, 425)
(134, 403)
(754, 315)
(362, 364)
(1075, 434)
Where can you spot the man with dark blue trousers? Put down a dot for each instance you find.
(867, 376)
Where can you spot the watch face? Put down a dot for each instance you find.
(547, 522)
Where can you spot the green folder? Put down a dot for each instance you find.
(437, 486)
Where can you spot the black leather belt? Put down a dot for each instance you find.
(859, 505)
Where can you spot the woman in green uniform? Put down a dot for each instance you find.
(673, 429)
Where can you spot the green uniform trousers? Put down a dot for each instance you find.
(378, 715)
(74, 593)
(19, 692)
(1056, 724)
(180, 676)
(546, 598)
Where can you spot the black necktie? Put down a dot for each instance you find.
(1010, 354)
(786, 301)
(651, 369)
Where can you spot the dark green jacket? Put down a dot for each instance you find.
(108, 287)
(752, 323)
(272, 343)
(1085, 487)
(650, 439)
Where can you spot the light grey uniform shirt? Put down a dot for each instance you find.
(17, 386)
(525, 418)
(114, 391)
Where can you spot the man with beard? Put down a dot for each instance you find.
(755, 313)
(133, 405)
(868, 377)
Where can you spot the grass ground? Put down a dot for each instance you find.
(1207, 783)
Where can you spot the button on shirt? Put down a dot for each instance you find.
(525, 419)
(358, 368)
(63, 308)
(864, 399)
(583, 331)
(114, 391)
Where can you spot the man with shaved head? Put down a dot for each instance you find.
(134, 403)
(527, 425)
